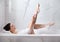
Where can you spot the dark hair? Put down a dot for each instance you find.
(7, 27)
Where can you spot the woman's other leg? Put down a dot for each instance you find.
(38, 26)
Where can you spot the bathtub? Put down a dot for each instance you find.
(43, 32)
(5, 37)
(30, 38)
(46, 35)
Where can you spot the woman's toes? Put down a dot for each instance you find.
(51, 23)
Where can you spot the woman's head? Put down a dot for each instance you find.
(9, 27)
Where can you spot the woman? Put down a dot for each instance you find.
(30, 30)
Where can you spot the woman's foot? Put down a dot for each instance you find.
(37, 9)
(51, 23)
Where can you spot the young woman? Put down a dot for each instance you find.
(30, 30)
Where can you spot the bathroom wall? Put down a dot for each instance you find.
(23, 10)
(20, 12)
(2, 14)
(9, 13)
